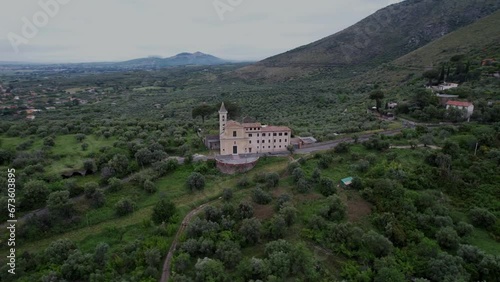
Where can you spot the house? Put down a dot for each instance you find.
(465, 106)
(444, 86)
(392, 105)
(248, 138)
(346, 182)
(30, 117)
(299, 142)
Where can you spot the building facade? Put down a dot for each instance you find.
(467, 107)
(249, 138)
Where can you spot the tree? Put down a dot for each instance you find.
(89, 165)
(298, 174)
(85, 146)
(98, 198)
(482, 218)
(446, 267)
(431, 75)
(195, 181)
(124, 207)
(119, 163)
(272, 180)
(35, 194)
(227, 194)
(229, 252)
(58, 251)
(144, 156)
(202, 111)
(89, 189)
(78, 266)
(447, 238)
(277, 227)
(163, 211)
(250, 230)
(58, 203)
(210, 270)
(289, 213)
(377, 95)
(389, 274)
(377, 244)
(261, 197)
(149, 186)
(245, 210)
(327, 187)
(80, 137)
(335, 209)
(290, 148)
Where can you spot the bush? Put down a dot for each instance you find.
(298, 174)
(272, 180)
(149, 186)
(327, 187)
(261, 197)
(124, 207)
(447, 238)
(195, 181)
(303, 186)
(163, 211)
(243, 182)
(89, 189)
(342, 148)
(227, 194)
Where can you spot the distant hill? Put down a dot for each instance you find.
(386, 35)
(182, 59)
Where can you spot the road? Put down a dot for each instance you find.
(332, 144)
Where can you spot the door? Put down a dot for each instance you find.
(235, 150)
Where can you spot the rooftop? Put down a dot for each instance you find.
(459, 103)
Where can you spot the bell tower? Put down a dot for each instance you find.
(222, 119)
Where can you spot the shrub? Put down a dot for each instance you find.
(298, 174)
(149, 186)
(261, 197)
(195, 181)
(482, 217)
(272, 180)
(447, 238)
(327, 187)
(342, 148)
(163, 211)
(243, 182)
(124, 207)
(227, 194)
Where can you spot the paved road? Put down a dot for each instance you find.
(332, 144)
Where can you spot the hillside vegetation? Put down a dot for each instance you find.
(382, 37)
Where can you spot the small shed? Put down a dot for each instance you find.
(346, 182)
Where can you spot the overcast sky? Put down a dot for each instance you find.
(114, 30)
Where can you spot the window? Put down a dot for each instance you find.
(263, 135)
(250, 142)
(280, 140)
(249, 150)
(280, 146)
(234, 133)
(285, 141)
(269, 141)
(286, 133)
(274, 134)
(257, 134)
(281, 134)
(258, 141)
(269, 147)
(250, 135)
(274, 146)
(274, 140)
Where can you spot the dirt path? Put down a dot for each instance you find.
(418, 146)
(165, 276)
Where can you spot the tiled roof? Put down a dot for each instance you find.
(459, 103)
(252, 125)
(275, 129)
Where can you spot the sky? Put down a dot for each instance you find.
(116, 30)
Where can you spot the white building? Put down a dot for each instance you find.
(467, 106)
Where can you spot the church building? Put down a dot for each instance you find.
(249, 138)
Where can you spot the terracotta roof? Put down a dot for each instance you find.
(252, 125)
(232, 123)
(275, 128)
(459, 103)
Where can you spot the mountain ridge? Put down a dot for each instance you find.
(381, 37)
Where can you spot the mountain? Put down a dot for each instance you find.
(475, 42)
(182, 59)
(386, 35)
